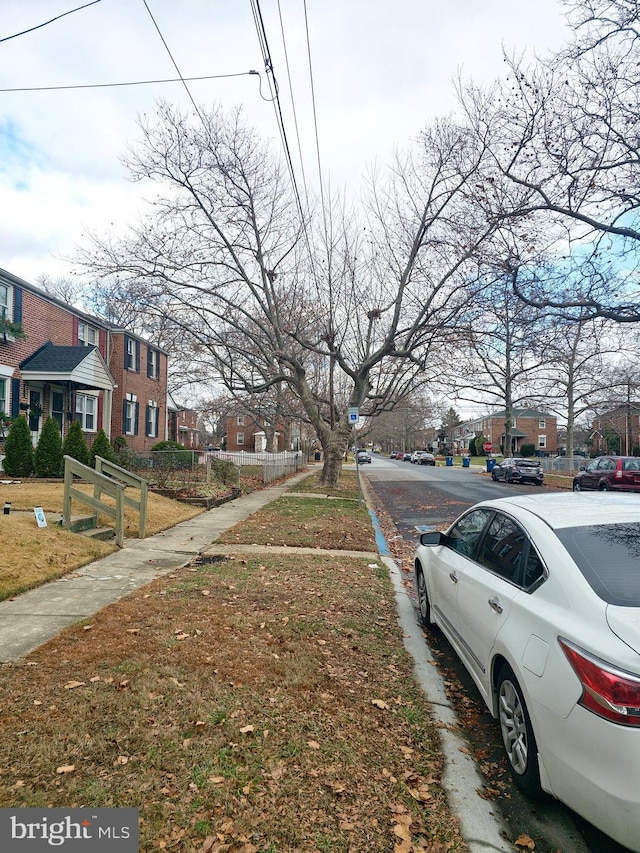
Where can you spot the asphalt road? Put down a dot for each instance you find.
(420, 495)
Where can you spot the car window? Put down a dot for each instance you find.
(502, 547)
(608, 555)
(464, 536)
(533, 568)
(630, 465)
(592, 466)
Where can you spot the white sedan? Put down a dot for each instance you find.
(540, 597)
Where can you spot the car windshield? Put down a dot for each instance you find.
(608, 555)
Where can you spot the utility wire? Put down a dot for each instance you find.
(128, 83)
(46, 23)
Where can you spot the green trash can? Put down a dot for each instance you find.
(449, 461)
(465, 461)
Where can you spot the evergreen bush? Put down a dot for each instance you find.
(528, 449)
(48, 456)
(74, 444)
(18, 450)
(101, 447)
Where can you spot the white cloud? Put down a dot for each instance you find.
(381, 71)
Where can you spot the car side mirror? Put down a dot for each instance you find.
(433, 537)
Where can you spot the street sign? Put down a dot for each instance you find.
(487, 447)
(354, 414)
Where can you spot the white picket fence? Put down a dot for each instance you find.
(274, 465)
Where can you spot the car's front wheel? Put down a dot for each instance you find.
(423, 599)
(517, 734)
(576, 486)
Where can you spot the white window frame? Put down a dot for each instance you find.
(542, 441)
(152, 367)
(240, 420)
(87, 412)
(86, 333)
(131, 354)
(542, 423)
(151, 425)
(240, 438)
(7, 304)
(130, 415)
(3, 395)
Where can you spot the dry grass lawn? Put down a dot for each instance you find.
(32, 555)
(258, 704)
(243, 705)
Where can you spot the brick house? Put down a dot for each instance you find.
(243, 432)
(529, 426)
(617, 431)
(183, 425)
(73, 366)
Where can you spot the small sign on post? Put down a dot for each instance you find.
(354, 414)
(39, 514)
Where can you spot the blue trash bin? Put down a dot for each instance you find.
(490, 465)
(449, 460)
(465, 461)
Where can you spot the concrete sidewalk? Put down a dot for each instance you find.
(36, 616)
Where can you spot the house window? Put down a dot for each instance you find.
(87, 335)
(132, 354)
(542, 423)
(5, 302)
(153, 363)
(130, 409)
(240, 420)
(86, 408)
(240, 438)
(151, 420)
(542, 441)
(57, 408)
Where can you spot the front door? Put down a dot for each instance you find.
(35, 411)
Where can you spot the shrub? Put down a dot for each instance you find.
(171, 454)
(225, 472)
(101, 447)
(18, 449)
(74, 444)
(528, 449)
(48, 455)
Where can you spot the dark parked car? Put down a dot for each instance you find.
(619, 473)
(406, 457)
(363, 456)
(427, 459)
(518, 471)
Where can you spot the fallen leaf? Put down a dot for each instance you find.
(246, 730)
(525, 841)
(71, 684)
(380, 703)
(313, 744)
(66, 768)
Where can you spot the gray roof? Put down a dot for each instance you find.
(55, 359)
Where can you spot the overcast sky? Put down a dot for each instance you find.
(381, 71)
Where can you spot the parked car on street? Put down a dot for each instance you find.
(619, 473)
(539, 595)
(518, 471)
(406, 457)
(394, 454)
(427, 459)
(363, 456)
(415, 456)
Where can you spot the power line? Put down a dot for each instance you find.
(46, 23)
(128, 83)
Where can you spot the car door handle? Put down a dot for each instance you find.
(454, 577)
(494, 604)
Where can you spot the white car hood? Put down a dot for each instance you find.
(625, 623)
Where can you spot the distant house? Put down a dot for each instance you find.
(57, 360)
(529, 426)
(244, 432)
(183, 425)
(617, 431)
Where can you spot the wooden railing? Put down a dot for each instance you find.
(108, 479)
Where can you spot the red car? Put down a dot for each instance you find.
(618, 473)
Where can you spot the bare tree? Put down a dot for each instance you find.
(565, 166)
(344, 313)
